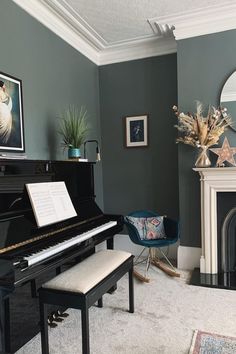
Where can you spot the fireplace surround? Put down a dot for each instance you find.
(214, 181)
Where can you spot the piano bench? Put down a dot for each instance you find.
(82, 285)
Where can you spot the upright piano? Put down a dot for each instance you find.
(28, 252)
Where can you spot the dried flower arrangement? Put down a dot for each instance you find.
(200, 131)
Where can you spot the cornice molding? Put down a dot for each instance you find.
(200, 22)
(73, 19)
(138, 49)
(68, 25)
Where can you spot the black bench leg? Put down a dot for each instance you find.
(131, 291)
(85, 330)
(44, 327)
(100, 302)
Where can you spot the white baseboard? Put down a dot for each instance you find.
(188, 257)
(122, 242)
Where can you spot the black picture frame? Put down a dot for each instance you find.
(136, 131)
(11, 114)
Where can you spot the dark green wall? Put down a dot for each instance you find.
(204, 63)
(53, 74)
(144, 177)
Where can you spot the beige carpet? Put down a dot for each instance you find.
(167, 311)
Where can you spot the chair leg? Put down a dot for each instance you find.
(172, 272)
(131, 291)
(136, 261)
(138, 275)
(167, 260)
(85, 330)
(44, 327)
(148, 262)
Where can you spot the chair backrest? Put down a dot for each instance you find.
(171, 227)
(142, 214)
(132, 230)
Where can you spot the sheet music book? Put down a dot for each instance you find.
(50, 202)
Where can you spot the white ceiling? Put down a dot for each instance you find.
(108, 31)
(116, 20)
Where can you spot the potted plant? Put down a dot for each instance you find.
(74, 128)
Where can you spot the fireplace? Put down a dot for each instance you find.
(226, 231)
(218, 228)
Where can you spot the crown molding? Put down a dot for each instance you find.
(70, 17)
(69, 26)
(137, 49)
(200, 22)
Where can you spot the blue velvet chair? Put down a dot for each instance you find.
(171, 228)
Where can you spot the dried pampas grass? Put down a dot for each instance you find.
(199, 131)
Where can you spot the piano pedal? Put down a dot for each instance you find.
(51, 323)
(62, 314)
(56, 317)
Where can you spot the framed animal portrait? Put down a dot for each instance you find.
(11, 114)
(136, 131)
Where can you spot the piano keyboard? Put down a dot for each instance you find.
(50, 251)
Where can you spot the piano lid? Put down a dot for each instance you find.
(17, 223)
(18, 228)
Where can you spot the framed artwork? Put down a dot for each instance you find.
(11, 114)
(136, 132)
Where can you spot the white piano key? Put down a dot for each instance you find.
(50, 251)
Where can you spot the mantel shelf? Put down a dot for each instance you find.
(215, 170)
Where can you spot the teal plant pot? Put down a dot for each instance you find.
(73, 153)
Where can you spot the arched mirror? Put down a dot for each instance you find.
(228, 97)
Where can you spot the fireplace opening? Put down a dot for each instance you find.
(228, 242)
(226, 232)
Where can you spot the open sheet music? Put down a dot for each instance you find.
(50, 202)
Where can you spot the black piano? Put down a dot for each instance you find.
(28, 254)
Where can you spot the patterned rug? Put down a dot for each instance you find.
(210, 343)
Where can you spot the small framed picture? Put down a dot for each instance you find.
(136, 132)
(11, 114)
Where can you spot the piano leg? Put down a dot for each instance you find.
(110, 243)
(5, 335)
(33, 288)
(58, 270)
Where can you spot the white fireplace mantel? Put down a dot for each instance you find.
(213, 180)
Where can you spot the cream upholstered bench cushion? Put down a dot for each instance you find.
(85, 275)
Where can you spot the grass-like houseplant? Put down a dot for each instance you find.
(73, 129)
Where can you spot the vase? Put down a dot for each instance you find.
(73, 153)
(203, 158)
